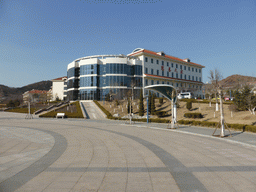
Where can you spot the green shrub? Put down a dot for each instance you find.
(189, 105)
(193, 115)
(160, 113)
(161, 100)
(240, 127)
(117, 102)
(250, 128)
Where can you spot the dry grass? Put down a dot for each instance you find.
(241, 117)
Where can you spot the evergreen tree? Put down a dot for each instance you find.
(238, 100)
(153, 107)
(189, 105)
(128, 107)
(161, 100)
(141, 107)
(149, 102)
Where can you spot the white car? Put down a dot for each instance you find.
(185, 95)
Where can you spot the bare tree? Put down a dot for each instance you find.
(215, 78)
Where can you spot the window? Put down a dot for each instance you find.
(177, 84)
(180, 66)
(199, 70)
(152, 82)
(162, 82)
(200, 79)
(192, 69)
(185, 67)
(177, 76)
(146, 70)
(152, 71)
(192, 78)
(167, 64)
(157, 82)
(167, 74)
(196, 69)
(189, 68)
(162, 62)
(157, 62)
(146, 82)
(172, 74)
(189, 77)
(167, 82)
(146, 59)
(185, 76)
(196, 78)
(157, 72)
(172, 64)
(176, 65)
(162, 73)
(181, 76)
(152, 60)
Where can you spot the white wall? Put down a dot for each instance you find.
(58, 90)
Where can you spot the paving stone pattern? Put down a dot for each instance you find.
(90, 155)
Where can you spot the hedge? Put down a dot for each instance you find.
(193, 115)
(78, 114)
(21, 110)
(239, 127)
(205, 101)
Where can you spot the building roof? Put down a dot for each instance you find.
(33, 91)
(140, 50)
(59, 79)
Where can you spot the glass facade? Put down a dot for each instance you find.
(97, 80)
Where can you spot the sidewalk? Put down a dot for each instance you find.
(242, 138)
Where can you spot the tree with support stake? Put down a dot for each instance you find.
(215, 78)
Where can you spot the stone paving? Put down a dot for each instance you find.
(90, 155)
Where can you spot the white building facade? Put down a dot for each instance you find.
(95, 77)
(159, 68)
(59, 88)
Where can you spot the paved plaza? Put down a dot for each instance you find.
(103, 155)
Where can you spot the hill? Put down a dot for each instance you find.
(8, 93)
(237, 81)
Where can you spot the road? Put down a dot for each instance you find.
(92, 155)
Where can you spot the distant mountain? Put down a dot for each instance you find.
(238, 81)
(8, 93)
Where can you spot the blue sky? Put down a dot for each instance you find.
(38, 39)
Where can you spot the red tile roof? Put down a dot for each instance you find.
(59, 79)
(38, 91)
(167, 56)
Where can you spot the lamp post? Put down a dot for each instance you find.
(28, 116)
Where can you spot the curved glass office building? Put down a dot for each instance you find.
(96, 77)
